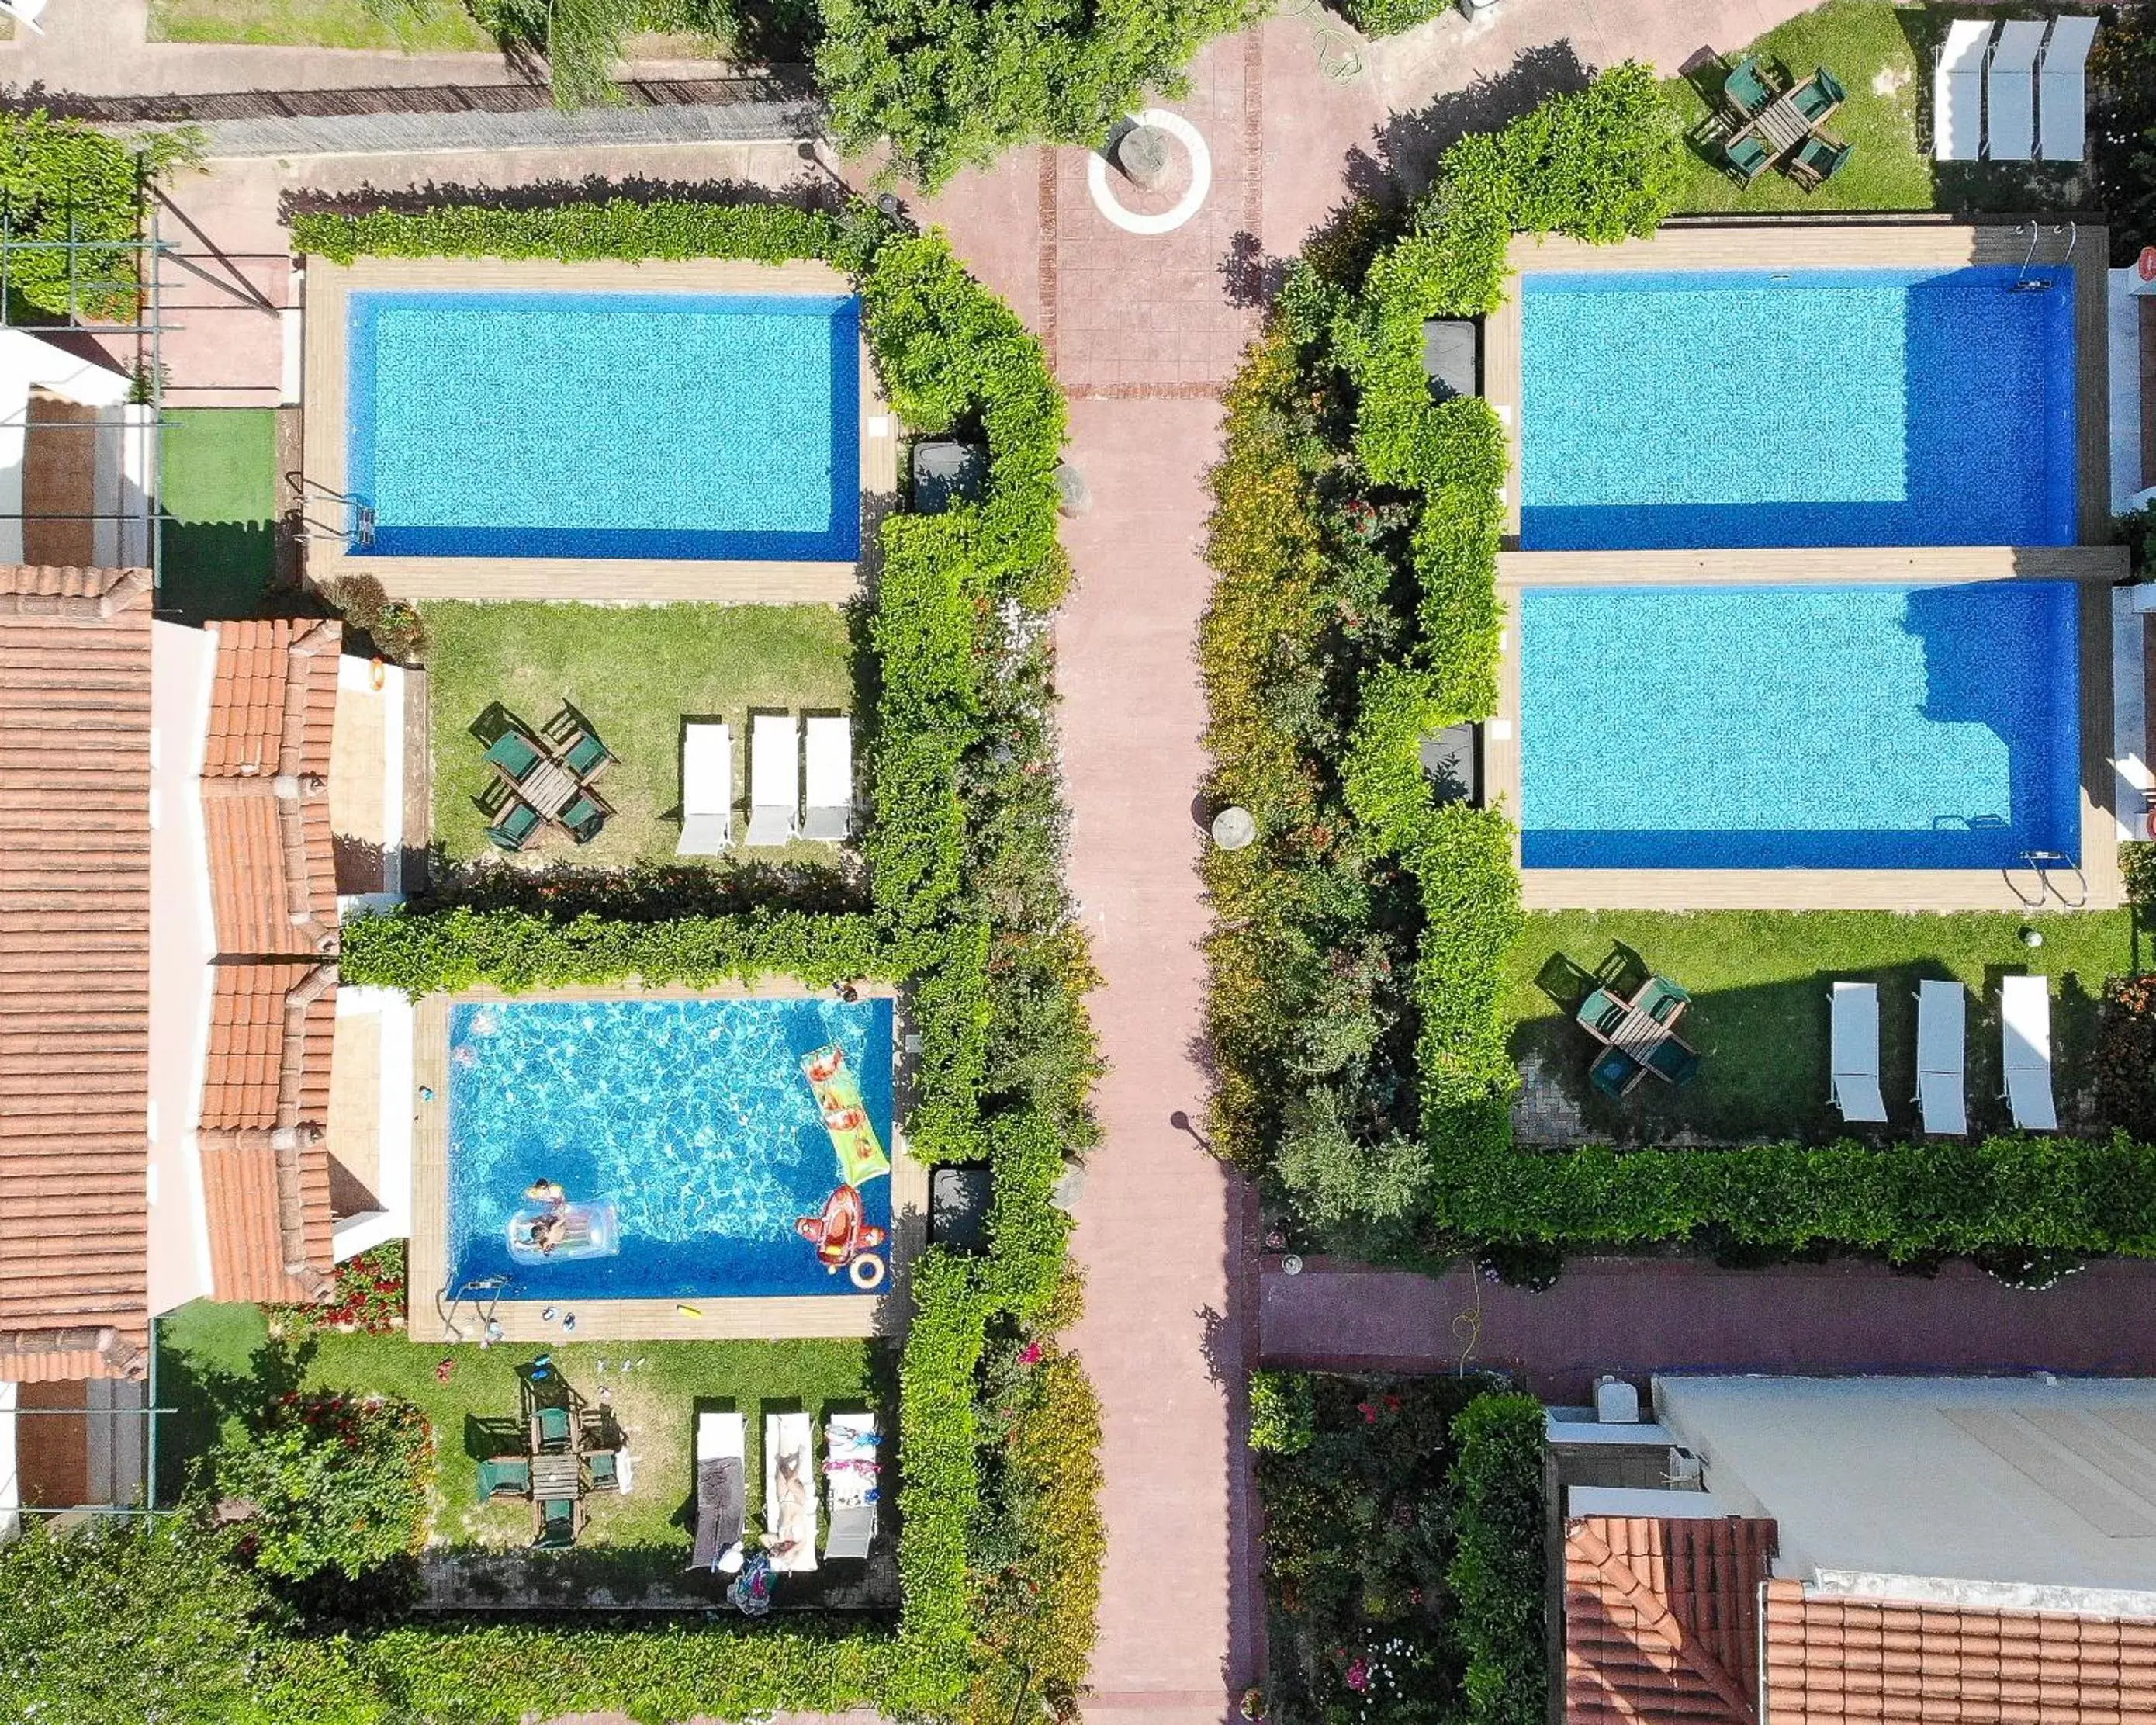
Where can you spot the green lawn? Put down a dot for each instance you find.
(415, 26)
(218, 489)
(1882, 54)
(1759, 983)
(213, 1364)
(635, 672)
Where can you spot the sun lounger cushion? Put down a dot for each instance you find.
(1854, 1054)
(831, 784)
(2062, 89)
(774, 778)
(707, 788)
(1958, 91)
(789, 1492)
(1943, 1057)
(2009, 91)
(853, 1466)
(721, 1492)
(2024, 1025)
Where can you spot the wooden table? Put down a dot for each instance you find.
(1780, 124)
(1639, 1035)
(549, 788)
(557, 1475)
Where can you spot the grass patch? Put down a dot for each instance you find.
(635, 673)
(1759, 980)
(1882, 53)
(437, 26)
(214, 1365)
(217, 490)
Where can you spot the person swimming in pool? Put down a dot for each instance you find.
(548, 1192)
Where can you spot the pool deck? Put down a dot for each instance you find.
(1918, 243)
(724, 1317)
(602, 580)
(1798, 245)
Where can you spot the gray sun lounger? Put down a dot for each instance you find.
(721, 1492)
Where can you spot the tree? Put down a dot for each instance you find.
(330, 1482)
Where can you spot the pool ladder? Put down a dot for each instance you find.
(359, 536)
(2047, 865)
(483, 1294)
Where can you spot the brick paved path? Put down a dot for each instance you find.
(1634, 1315)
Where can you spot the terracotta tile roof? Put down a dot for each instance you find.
(74, 971)
(1661, 1619)
(265, 1109)
(1834, 1662)
(265, 796)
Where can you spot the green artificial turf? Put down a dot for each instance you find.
(214, 1366)
(635, 673)
(1759, 982)
(218, 492)
(1882, 54)
(436, 25)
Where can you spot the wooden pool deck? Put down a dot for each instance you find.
(713, 1318)
(2094, 564)
(602, 580)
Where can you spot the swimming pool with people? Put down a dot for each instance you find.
(695, 1155)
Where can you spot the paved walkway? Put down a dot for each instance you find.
(1637, 1316)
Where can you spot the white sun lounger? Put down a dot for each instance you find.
(2009, 91)
(1943, 1057)
(722, 1492)
(2062, 89)
(830, 812)
(852, 1468)
(1958, 91)
(1856, 1052)
(707, 788)
(774, 779)
(789, 1492)
(2024, 1027)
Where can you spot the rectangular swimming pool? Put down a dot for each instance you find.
(1822, 727)
(1873, 407)
(606, 425)
(691, 1121)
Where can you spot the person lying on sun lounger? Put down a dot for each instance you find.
(795, 1523)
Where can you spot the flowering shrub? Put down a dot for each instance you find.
(368, 1297)
(330, 1481)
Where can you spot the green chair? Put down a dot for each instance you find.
(1746, 158)
(513, 754)
(519, 826)
(1673, 1060)
(1819, 96)
(605, 1469)
(1819, 160)
(1614, 1073)
(1661, 998)
(558, 1524)
(504, 1476)
(551, 1427)
(1744, 91)
(586, 754)
(1600, 1011)
(584, 817)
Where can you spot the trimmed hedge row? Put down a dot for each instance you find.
(1496, 1571)
(617, 227)
(1908, 1201)
(954, 357)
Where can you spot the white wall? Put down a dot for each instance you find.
(393, 1186)
(182, 941)
(2016, 1482)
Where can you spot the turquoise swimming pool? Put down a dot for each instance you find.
(606, 425)
(1787, 407)
(1812, 727)
(690, 1126)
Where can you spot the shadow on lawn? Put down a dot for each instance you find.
(1765, 1056)
(204, 1398)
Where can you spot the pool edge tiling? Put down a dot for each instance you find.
(327, 288)
(717, 1318)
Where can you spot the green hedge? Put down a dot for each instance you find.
(61, 180)
(1908, 1201)
(1496, 1571)
(617, 227)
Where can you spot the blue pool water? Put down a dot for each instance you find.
(1735, 409)
(607, 425)
(692, 1117)
(1881, 727)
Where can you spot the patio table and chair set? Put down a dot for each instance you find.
(1761, 126)
(548, 776)
(2025, 1033)
(571, 1451)
(1639, 1037)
